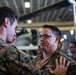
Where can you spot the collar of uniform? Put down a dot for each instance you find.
(56, 52)
(73, 56)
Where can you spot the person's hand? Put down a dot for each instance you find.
(14, 41)
(41, 63)
(61, 69)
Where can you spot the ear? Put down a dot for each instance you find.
(6, 22)
(57, 39)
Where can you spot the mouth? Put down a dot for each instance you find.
(42, 44)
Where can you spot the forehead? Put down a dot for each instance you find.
(71, 44)
(46, 31)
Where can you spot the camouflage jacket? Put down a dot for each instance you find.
(73, 57)
(71, 69)
(12, 62)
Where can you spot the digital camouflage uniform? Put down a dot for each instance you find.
(73, 57)
(12, 62)
(71, 69)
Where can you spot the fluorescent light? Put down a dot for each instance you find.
(27, 4)
(40, 29)
(31, 45)
(72, 1)
(71, 32)
(62, 40)
(65, 36)
(29, 21)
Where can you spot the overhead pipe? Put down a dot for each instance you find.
(53, 7)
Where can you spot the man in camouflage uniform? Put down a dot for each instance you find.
(52, 61)
(12, 61)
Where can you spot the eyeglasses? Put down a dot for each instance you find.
(45, 35)
(71, 47)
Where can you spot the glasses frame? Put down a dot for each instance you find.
(72, 47)
(46, 35)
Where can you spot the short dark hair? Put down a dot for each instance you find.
(73, 43)
(54, 29)
(7, 12)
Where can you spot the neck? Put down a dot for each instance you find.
(48, 54)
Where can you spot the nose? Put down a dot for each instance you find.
(15, 35)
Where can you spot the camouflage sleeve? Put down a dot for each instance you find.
(16, 62)
(72, 69)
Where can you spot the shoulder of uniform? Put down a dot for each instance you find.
(13, 46)
(68, 58)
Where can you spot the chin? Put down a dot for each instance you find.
(42, 46)
(8, 42)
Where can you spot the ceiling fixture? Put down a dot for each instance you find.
(27, 4)
(29, 21)
(65, 36)
(62, 40)
(71, 32)
(72, 1)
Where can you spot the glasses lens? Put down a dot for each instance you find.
(44, 35)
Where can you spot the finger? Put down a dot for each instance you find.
(37, 64)
(14, 41)
(38, 61)
(67, 64)
(42, 65)
(63, 61)
(44, 60)
(51, 70)
(42, 70)
(56, 60)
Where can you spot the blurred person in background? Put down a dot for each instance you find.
(60, 45)
(14, 41)
(72, 47)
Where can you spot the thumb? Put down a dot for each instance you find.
(51, 70)
(14, 41)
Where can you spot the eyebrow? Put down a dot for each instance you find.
(46, 34)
